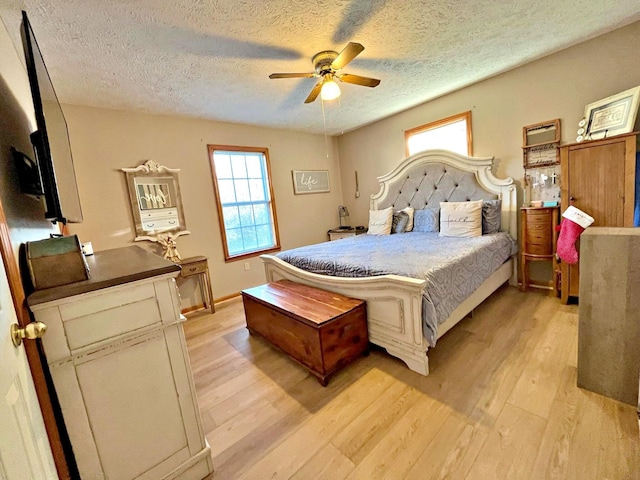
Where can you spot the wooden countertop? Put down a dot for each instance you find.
(108, 269)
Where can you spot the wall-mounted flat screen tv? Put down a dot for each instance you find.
(51, 140)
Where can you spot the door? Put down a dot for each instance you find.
(24, 446)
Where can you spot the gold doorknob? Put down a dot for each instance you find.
(32, 331)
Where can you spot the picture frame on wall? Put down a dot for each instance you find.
(613, 115)
(310, 181)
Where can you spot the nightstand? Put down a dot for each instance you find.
(538, 241)
(339, 233)
(198, 266)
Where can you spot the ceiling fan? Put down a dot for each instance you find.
(327, 65)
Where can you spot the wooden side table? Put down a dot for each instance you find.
(198, 266)
(538, 240)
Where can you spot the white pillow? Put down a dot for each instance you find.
(409, 211)
(380, 221)
(461, 219)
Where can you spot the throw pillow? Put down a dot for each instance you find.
(399, 223)
(491, 216)
(380, 221)
(409, 211)
(461, 219)
(426, 220)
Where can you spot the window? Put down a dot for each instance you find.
(452, 133)
(247, 214)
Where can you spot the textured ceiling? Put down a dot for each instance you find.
(211, 58)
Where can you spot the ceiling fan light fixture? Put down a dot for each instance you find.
(326, 64)
(330, 89)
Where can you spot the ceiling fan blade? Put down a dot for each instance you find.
(292, 75)
(348, 53)
(358, 80)
(314, 93)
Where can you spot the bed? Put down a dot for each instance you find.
(397, 303)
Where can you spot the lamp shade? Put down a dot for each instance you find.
(330, 89)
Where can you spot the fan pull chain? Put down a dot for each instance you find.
(324, 122)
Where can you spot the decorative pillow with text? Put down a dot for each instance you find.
(380, 221)
(461, 219)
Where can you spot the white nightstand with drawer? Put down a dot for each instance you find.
(340, 233)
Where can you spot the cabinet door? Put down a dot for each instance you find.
(596, 182)
(119, 363)
(595, 179)
(133, 407)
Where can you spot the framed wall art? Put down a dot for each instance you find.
(310, 181)
(613, 115)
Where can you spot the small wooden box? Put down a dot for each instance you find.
(323, 331)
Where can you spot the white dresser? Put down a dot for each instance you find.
(118, 359)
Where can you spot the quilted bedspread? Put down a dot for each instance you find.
(452, 267)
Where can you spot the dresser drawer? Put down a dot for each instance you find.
(538, 234)
(193, 269)
(101, 317)
(543, 248)
(538, 220)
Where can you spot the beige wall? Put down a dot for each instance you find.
(557, 86)
(103, 141)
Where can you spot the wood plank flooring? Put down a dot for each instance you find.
(501, 402)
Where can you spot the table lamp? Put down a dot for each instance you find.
(343, 213)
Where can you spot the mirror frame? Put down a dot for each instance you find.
(550, 126)
(151, 170)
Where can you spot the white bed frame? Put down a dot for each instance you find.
(394, 303)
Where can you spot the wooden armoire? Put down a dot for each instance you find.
(598, 177)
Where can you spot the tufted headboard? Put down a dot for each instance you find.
(433, 176)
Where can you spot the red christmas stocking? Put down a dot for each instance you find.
(573, 224)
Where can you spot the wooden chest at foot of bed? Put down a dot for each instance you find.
(323, 331)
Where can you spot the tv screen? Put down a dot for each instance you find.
(51, 140)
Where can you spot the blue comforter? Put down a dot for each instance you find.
(452, 267)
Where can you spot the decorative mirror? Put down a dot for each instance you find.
(156, 205)
(541, 144)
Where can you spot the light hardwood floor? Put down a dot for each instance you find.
(501, 402)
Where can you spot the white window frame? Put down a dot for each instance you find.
(464, 118)
(270, 200)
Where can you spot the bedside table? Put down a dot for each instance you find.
(199, 266)
(339, 233)
(538, 241)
